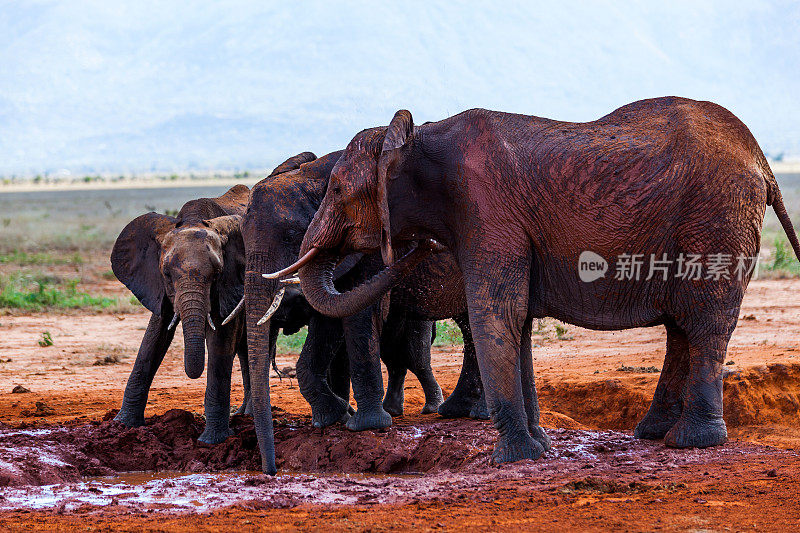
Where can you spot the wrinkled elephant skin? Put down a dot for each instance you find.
(521, 200)
(188, 268)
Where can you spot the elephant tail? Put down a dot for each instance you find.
(775, 199)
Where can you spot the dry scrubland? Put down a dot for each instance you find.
(69, 333)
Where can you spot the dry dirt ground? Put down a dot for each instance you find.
(63, 457)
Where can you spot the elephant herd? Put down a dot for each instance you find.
(483, 217)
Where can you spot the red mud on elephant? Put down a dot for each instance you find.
(518, 200)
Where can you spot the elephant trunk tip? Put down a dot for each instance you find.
(193, 370)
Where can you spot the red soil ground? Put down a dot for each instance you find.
(591, 381)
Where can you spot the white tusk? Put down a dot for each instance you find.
(276, 303)
(291, 281)
(174, 322)
(234, 312)
(294, 267)
(211, 322)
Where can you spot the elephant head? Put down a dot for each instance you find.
(196, 265)
(374, 171)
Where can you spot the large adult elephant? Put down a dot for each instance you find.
(188, 268)
(534, 209)
(398, 331)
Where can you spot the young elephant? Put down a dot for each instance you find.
(525, 202)
(280, 209)
(188, 268)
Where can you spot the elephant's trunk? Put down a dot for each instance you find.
(316, 281)
(261, 345)
(193, 307)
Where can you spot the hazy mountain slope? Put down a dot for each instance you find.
(98, 87)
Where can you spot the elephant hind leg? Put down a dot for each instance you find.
(406, 345)
(701, 424)
(322, 345)
(393, 401)
(667, 405)
(467, 399)
(419, 335)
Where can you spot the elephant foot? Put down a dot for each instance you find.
(393, 405)
(479, 410)
(268, 466)
(516, 448)
(245, 409)
(330, 412)
(458, 406)
(433, 401)
(541, 437)
(214, 436)
(377, 419)
(129, 419)
(696, 433)
(431, 407)
(655, 424)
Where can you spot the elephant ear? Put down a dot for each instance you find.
(230, 284)
(136, 255)
(399, 135)
(293, 163)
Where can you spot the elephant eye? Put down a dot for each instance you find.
(289, 236)
(337, 189)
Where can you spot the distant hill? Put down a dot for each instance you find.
(155, 86)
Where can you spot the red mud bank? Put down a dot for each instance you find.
(169, 443)
(762, 395)
(766, 395)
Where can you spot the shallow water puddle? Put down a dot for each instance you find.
(175, 491)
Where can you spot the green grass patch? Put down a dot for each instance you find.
(448, 334)
(784, 260)
(292, 343)
(39, 258)
(35, 293)
(46, 340)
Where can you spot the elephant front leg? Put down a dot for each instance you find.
(497, 295)
(155, 343)
(221, 352)
(667, 404)
(361, 336)
(322, 343)
(529, 389)
(467, 399)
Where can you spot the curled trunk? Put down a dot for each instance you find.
(316, 280)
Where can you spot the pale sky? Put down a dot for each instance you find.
(137, 86)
